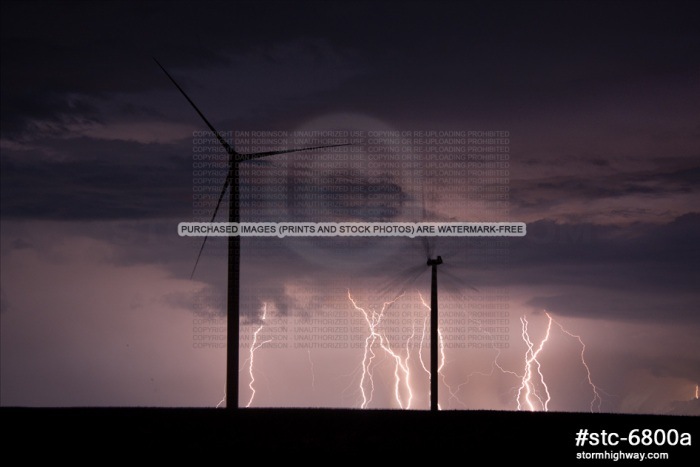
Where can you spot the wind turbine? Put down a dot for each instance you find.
(234, 245)
(434, 331)
(434, 316)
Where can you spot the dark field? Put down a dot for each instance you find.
(474, 437)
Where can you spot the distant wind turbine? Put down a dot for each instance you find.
(234, 245)
(434, 315)
(414, 272)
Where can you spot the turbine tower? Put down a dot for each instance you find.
(434, 335)
(234, 245)
(434, 330)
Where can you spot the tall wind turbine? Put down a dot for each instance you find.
(434, 315)
(234, 245)
(434, 330)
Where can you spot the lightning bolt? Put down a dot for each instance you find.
(222, 401)
(528, 388)
(597, 400)
(529, 382)
(400, 367)
(422, 339)
(533, 393)
(697, 391)
(494, 365)
(369, 355)
(402, 371)
(253, 347)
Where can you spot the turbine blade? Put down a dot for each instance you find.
(458, 280)
(232, 152)
(426, 243)
(403, 280)
(256, 155)
(216, 209)
(201, 249)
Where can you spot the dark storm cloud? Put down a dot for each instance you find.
(546, 192)
(108, 180)
(53, 50)
(68, 64)
(65, 63)
(622, 264)
(619, 305)
(638, 272)
(554, 243)
(21, 111)
(477, 60)
(205, 303)
(71, 64)
(253, 299)
(445, 56)
(304, 194)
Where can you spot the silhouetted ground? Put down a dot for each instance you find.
(474, 437)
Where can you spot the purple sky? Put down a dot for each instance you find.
(600, 100)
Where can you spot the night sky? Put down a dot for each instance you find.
(601, 103)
